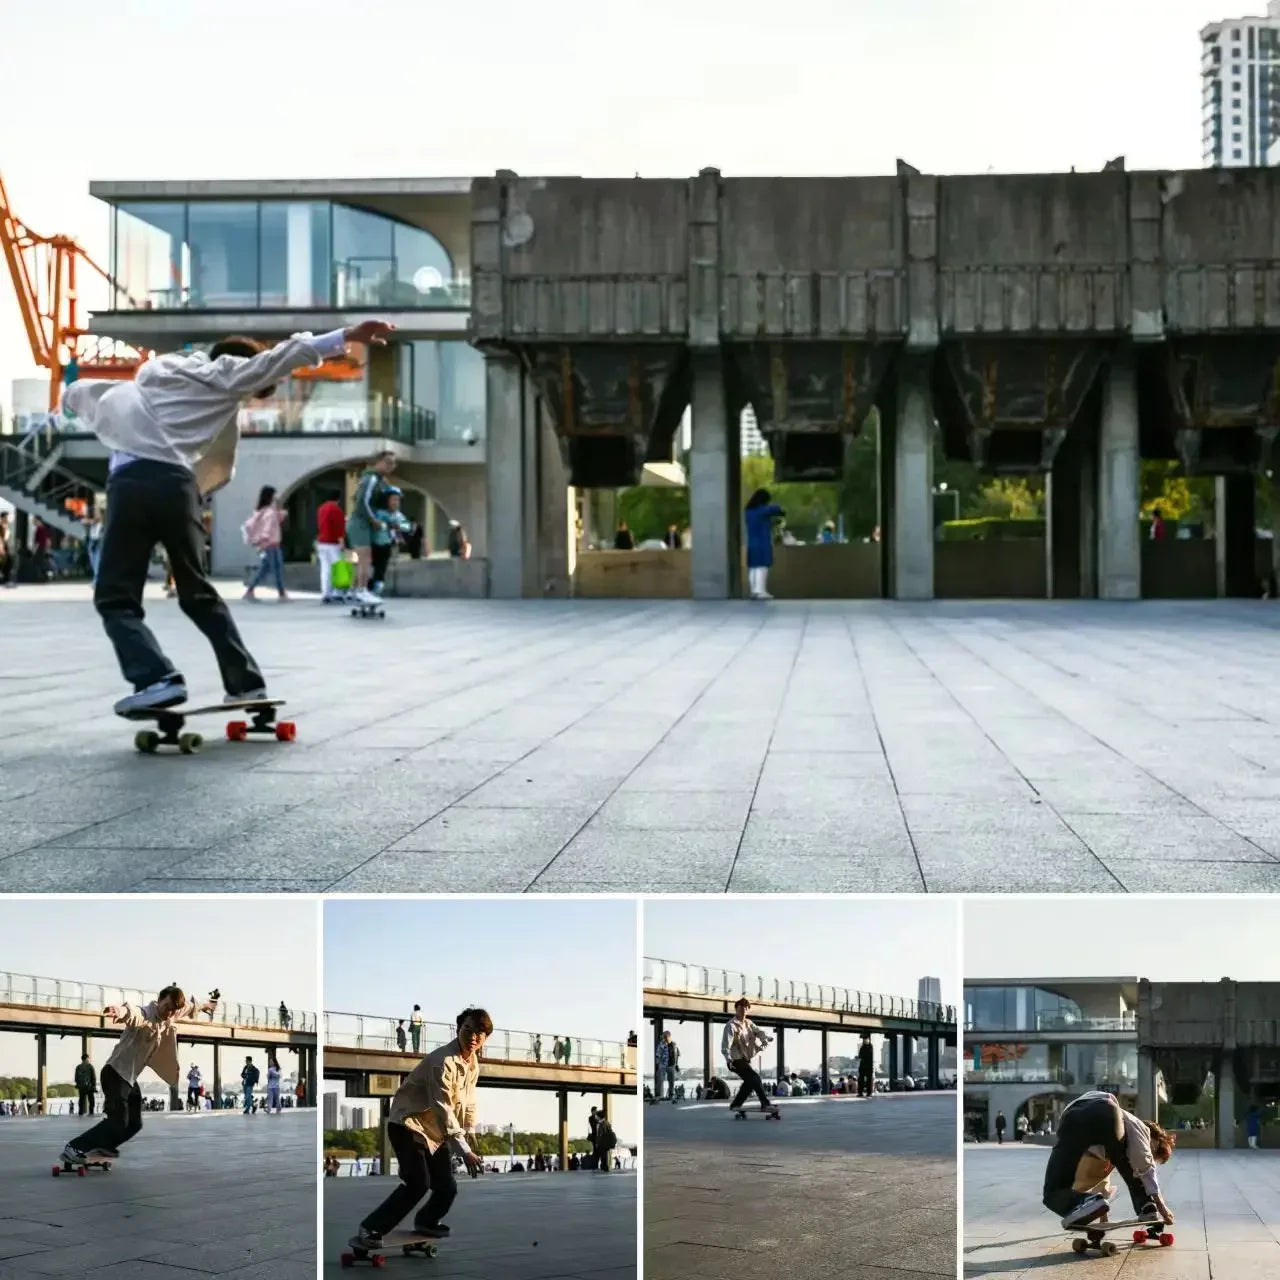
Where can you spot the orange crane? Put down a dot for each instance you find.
(45, 271)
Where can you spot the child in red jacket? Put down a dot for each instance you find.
(331, 528)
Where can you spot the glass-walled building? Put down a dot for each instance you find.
(1031, 1047)
(237, 255)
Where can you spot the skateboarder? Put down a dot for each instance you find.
(1096, 1131)
(431, 1115)
(741, 1042)
(150, 1039)
(366, 519)
(173, 433)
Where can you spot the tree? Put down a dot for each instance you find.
(650, 510)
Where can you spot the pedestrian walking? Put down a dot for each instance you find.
(273, 1085)
(86, 1085)
(331, 529)
(668, 1059)
(172, 433)
(193, 1088)
(264, 530)
(249, 1077)
(1001, 1124)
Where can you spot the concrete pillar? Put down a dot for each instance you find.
(826, 1086)
(1071, 508)
(507, 472)
(175, 1099)
(1225, 1136)
(310, 1076)
(563, 1095)
(707, 1058)
(715, 485)
(893, 1060)
(1119, 542)
(608, 1107)
(935, 1056)
(84, 1047)
(556, 514)
(386, 1152)
(1234, 535)
(1147, 1101)
(782, 1056)
(217, 1074)
(911, 511)
(42, 1072)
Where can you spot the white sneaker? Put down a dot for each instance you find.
(254, 695)
(1086, 1211)
(164, 693)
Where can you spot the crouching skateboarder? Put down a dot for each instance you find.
(1096, 1135)
(150, 1040)
(431, 1115)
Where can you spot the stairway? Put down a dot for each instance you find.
(37, 485)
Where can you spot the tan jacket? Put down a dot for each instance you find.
(438, 1098)
(742, 1040)
(149, 1041)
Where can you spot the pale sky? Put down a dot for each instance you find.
(253, 951)
(1164, 939)
(882, 945)
(561, 967)
(153, 89)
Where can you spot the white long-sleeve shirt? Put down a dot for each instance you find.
(181, 408)
(742, 1040)
(1136, 1138)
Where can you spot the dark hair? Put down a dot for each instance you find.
(179, 996)
(740, 1001)
(477, 1015)
(265, 496)
(237, 345)
(758, 499)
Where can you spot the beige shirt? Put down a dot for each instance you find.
(438, 1098)
(149, 1041)
(742, 1040)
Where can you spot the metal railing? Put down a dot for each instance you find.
(86, 997)
(1057, 1022)
(675, 975)
(370, 1031)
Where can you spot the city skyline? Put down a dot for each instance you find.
(733, 106)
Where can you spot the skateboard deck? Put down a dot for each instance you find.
(772, 1114)
(81, 1167)
(170, 722)
(408, 1242)
(368, 610)
(1092, 1235)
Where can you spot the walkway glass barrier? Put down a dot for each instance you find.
(675, 975)
(367, 1031)
(85, 997)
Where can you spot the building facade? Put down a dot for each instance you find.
(1034, 1045)
(1240, 78)
(194, 261)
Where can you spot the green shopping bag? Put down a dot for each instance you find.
(343, 576)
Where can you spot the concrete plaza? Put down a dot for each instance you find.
(838, 1187)
(1227, 1205)
(545, 1226)
(662, 745)
(214, 1194)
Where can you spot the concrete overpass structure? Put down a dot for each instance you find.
(1187, 1030)
(29, 1007)
(1067, 325)
(370, 1067)
(686, 993)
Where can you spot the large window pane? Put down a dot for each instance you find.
(363, 258)
(148, 256)
(294, 238)
(444, 380)
(223, 239)
(1009, 1063)
(423, 269)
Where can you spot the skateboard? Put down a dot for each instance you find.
(169, 722)
(408, 1242)
(368, 609)
(772, 1114)
(1092, 1235)
(81, 1167)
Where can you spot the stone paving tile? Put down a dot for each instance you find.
(1142, 875)
(53, 869)
(706, 1177)
(1227, 1204)
(584, 1226)
(623, 858)
(186, 1198)
(830, 715)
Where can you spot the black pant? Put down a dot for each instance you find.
(150, 502)
(122, 1103)
(420, 1172)
(1085, 1125)
(750, 1081)
(864, 1082)
(381, 558)
(86, 1102)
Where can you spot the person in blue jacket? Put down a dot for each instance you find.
(760, 514)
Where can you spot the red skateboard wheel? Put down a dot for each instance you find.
(81, 1171)
(1166, 1239)
(237, 730)
(57, 1172)
(1139, 1237)
(347, 1260)
(286, 731)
